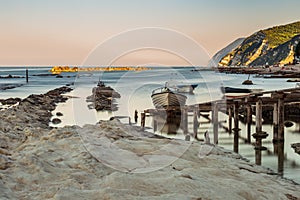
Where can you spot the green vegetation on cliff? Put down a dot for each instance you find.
(281, 34)
(265, 46)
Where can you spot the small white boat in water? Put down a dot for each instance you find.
(164, 98)
(181, 88)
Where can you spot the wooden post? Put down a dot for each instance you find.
(236, 127)
(230, 119)
(143, 118)
(154, 124)
(258, 124)
(195, 120)
(215, 122)
(258, 118)
(135, 116)
(280, 157)
(26, 75)
(185, 120)
(281, 119)
(249, 122)
(257, 156)
(275, 123)
(259, 135)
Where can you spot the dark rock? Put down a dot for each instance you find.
(296, 147)
(56, 121)
(10, 101)
(59, 114)
(288, 124)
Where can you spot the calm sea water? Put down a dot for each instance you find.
(135, 88)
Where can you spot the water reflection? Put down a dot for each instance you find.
(167, 122)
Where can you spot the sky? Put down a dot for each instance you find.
(69, 32)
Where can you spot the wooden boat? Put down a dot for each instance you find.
(164, 97)
(235, 90)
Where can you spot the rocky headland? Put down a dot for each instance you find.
(110, 160)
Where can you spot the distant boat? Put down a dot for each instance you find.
(164, 98)
(248, 81)
(181, 88)
(235, 90)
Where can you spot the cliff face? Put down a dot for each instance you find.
(277, 45)
(223, 52)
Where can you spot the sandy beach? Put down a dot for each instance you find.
(110, 160)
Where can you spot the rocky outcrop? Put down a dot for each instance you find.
(7, 86)
(273, 46)
(296, 147)
(31, 112)
(113, 161)
(110, 160)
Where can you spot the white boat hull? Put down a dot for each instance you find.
(168, 99)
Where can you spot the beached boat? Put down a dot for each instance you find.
(164, 97)
(181, 88)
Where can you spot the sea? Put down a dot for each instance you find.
(135, 88)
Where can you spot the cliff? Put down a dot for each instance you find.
(278, 45)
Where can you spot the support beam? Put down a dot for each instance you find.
(185, 121)
(249, 122)
(236, 127)
(215, 122)
(230, 119)
(275, 123)
(195, 121)
(281, 119)
(143, 118)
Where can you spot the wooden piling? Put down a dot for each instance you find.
(143, 118)
(135, 116)
(280, 160)
(249, 122)
(236, 127)
(258, 113)
(185, 120)
(195, 121)
(215, 122)
(259, 135)
(154, 124)
(275, 123)
(230, 119)
(26, 75)
(281, 119)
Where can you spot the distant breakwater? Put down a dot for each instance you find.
(59, 69)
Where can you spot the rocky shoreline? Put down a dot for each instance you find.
(110, 160)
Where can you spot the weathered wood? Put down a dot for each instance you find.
(236, 127)
(280, 119)
(275, 123)
(215, 123)
(154, 124)
(195, 121)
(143, 118)
(136, 116)
(184, 120)
(249, 122)
(258, 119)
(230, 119)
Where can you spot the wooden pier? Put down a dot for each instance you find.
(252, 104)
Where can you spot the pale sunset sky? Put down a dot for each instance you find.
(66, 32)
